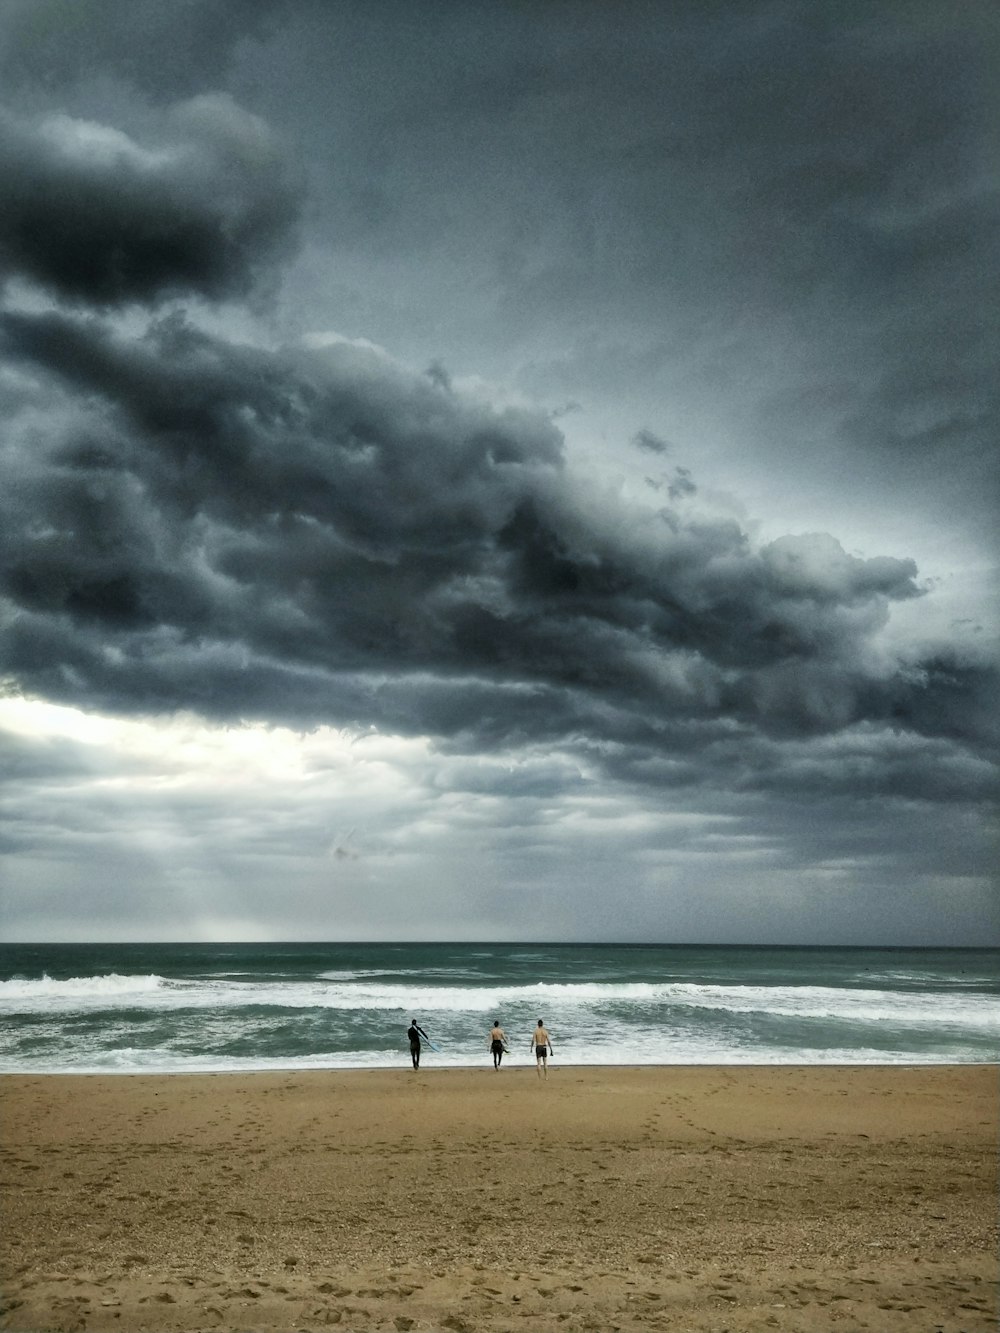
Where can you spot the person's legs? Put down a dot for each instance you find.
(415, 1056)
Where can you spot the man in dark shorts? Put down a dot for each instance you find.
(541, 1043)
(414, 1032)
(498, 1043)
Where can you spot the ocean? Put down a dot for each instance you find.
(162, 1008)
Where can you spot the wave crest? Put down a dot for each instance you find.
(111, 985)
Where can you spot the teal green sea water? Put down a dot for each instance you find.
(174, 1007)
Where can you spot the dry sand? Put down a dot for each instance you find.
(670, 1198)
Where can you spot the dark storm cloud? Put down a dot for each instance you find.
(317, 535)
(787, 210)
(646, 439)
(704, 201)
(678, 483)
(94, 217)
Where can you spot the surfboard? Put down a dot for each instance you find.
(433, 1045)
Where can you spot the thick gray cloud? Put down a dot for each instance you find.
(772, 223)
(94, 217)
(781, 218)
(318, 535)
(753, 247)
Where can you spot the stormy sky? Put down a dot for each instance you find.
(499, 471)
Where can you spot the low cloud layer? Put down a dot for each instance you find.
(94, 217)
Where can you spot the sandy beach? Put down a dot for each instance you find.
(732, 1199)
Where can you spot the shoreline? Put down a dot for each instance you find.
(796, 1198)
(400, 1066)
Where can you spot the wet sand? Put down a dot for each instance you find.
(697, 1199)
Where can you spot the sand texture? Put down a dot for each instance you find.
(640, 1199)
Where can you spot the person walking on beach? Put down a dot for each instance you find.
(498, 1042)
(414, 1032)
(542, 1045)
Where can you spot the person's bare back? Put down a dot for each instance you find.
(498, 1043)
(541, 1043)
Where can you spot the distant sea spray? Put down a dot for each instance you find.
(216, 1007)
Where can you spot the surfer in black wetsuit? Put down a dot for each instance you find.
(414, 1032)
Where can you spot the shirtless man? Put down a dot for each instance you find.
(542, 1045)
(498, 1043)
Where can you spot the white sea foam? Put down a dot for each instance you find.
(132, 1060)
(111, 988)
(657, 1000)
